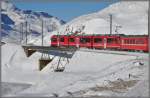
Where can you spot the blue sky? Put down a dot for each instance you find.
(64, 10)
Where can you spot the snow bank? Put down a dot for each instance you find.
(94, 62)
(15, 64)
(85, 70)
(13, 56)
(140, 90)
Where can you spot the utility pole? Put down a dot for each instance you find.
(42, 31)
(42, 37)
(110, 24)
(29, 28)
(29, 31)
(21, 32)
(26, 32)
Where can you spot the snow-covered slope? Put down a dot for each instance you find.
(20, 75)
(12, 17)
(132, 16)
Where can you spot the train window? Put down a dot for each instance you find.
(140, 41)
(116, 41)
(85, 40)
(97, 40)
(110, 40)
(71, 40)
(53, 39)
(130, 41)
(125, 41)
(134, 41)
(62, 39)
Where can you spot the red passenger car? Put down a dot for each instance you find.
(139, 43)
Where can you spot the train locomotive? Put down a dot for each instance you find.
(100, 41)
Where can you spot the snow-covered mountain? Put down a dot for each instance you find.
(13, 17)
(132, 17)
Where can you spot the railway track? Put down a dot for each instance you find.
(66, 50)
(112, 52)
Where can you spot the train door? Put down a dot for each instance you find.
(77, 42)
(105, 43)
(58, 44)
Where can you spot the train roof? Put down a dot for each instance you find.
(122, 35)
(135, 35)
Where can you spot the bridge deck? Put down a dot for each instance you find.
(57, 51)
(49, 48)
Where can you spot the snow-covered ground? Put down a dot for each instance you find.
(86, 71)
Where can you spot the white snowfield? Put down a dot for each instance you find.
(86, 69)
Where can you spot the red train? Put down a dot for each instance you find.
(120, 42)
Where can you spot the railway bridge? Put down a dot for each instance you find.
(46, 51)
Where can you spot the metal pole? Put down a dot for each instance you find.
(22, 31)
(110, 24)
(42, 32)
(42, 37)
(29, 29)
(26, 32)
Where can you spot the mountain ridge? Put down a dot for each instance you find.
(13, 17)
